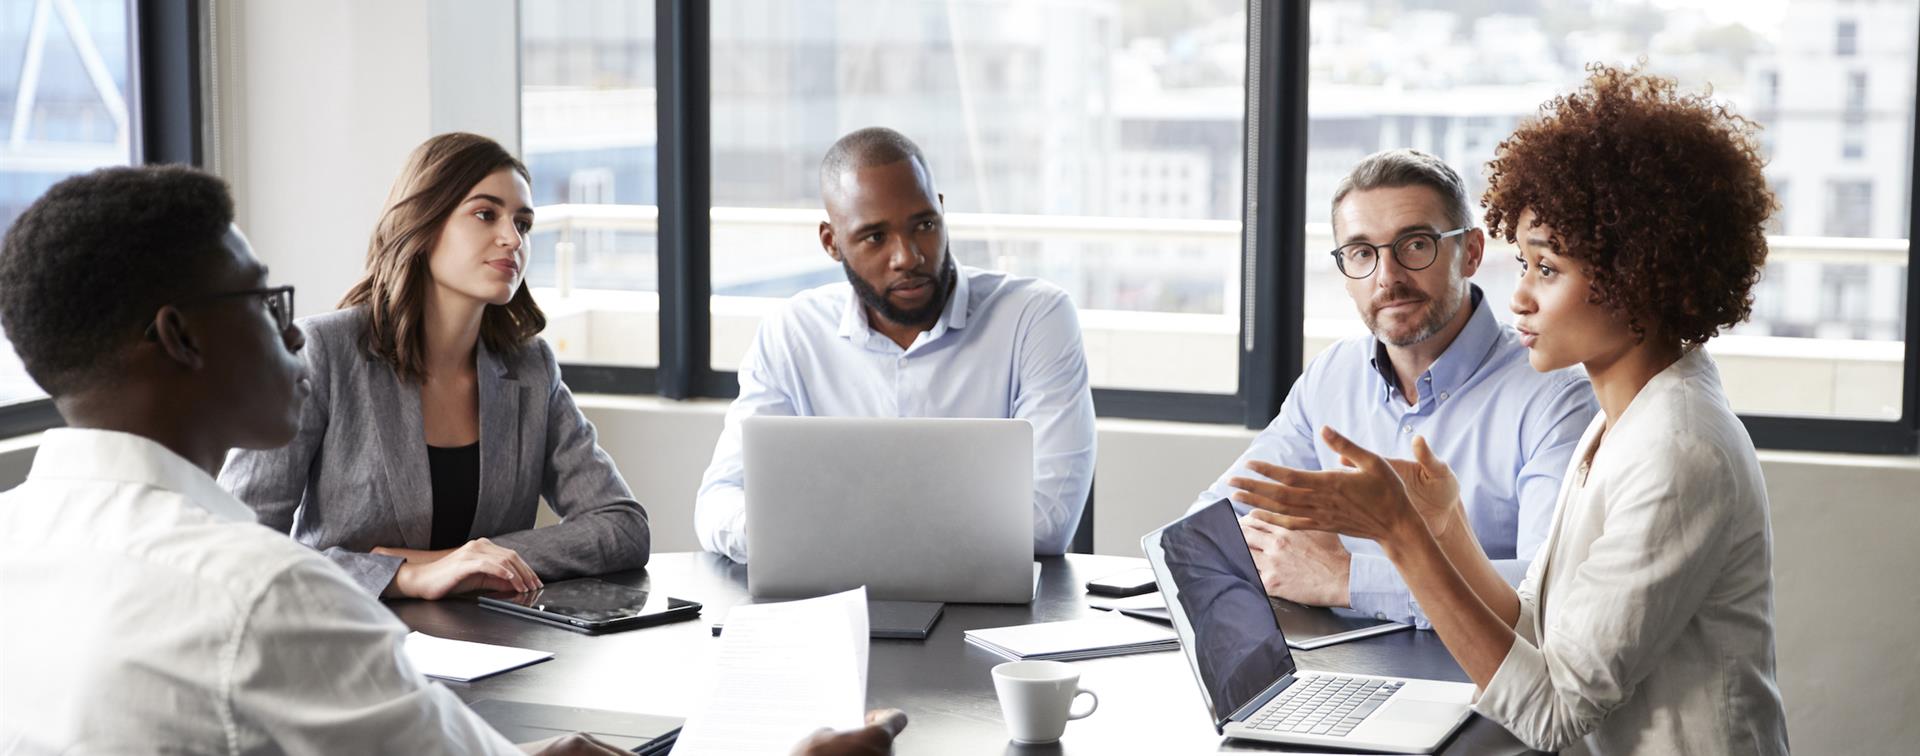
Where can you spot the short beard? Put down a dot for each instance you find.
(877, 301)
(1440, 312)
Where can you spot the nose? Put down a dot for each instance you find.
(906, 253)
(1522, 303)
(1387, 270)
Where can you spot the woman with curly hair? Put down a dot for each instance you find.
(1646, 625)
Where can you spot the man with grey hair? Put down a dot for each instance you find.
(1437, 374)
(911, 334)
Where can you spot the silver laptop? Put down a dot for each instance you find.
(913, 509)
(1247, 677)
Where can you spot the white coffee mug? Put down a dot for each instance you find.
(1035, 697)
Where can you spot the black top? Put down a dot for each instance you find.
(456, 492)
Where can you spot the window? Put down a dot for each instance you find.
(1104, 147)
(1839, 334)
(64, 109)
(1849, 208)
(1094, 145)
(587, 120)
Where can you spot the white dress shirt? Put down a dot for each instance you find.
(146, 612)
(1004, 347)
(1646, 625)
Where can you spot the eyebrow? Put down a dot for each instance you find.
(1404, 230)
(1544, 243)
(496, 200)
(861, 232)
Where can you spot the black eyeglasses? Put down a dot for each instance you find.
(278, 300)
(1414, 251)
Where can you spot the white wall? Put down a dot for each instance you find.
(1845, 529)
(321, 102)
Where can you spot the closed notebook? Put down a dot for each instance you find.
(1091, 638)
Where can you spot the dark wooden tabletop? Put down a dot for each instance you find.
(1149, 703)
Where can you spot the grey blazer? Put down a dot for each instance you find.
(355, 476)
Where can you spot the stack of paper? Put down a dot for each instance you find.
(784, 670)
(465, 661)
(1072, 640)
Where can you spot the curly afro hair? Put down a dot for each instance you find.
(87, 265)
(1660, 195)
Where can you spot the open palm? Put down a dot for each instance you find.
(1431, 486)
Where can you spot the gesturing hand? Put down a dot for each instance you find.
(1368, 501)
(479, 565)
(1431, 486)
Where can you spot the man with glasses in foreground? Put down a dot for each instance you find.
(1437, 378)
(146, 611)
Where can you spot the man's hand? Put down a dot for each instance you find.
(480, 565)
(876, 739)
(1302, 566)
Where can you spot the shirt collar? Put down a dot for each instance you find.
(853, 317)
(1458, 363)
(77, 454)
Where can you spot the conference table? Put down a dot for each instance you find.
(1149, 703)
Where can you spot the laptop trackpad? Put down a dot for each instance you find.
(1427, 712)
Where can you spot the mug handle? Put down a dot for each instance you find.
(1090, 709)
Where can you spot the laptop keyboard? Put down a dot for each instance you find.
(1323, 705)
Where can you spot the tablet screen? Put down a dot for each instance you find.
(592, 600)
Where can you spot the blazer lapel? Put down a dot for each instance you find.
(403, 439)
(500, 396)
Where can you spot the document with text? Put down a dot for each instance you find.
(783, 672)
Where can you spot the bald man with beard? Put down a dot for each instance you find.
(911, 333)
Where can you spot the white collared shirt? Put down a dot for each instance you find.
(1646, 624)
(146, 612)
(1004, 347)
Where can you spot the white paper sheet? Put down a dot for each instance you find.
(783, 671)
(465, 661)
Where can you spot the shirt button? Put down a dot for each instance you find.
(1407, 428)
(1445, 396)
(1379, 615)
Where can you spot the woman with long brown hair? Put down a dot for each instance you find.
(438, 420)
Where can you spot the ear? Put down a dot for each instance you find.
(826, 241)
(170, 331)
(1473, 246)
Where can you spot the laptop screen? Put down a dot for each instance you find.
(1219, 606)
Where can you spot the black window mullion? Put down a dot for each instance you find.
(1272, 309)
(166, 82)
(685, 159)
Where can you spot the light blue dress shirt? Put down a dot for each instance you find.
(1507, 430)
(1004, 347)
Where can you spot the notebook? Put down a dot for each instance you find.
(1311, 627)
(465, 661)
(1072, 640)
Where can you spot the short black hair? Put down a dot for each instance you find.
(871, 146)
(84, 268)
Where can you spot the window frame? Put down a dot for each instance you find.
(1273, 263)
(165, 90)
